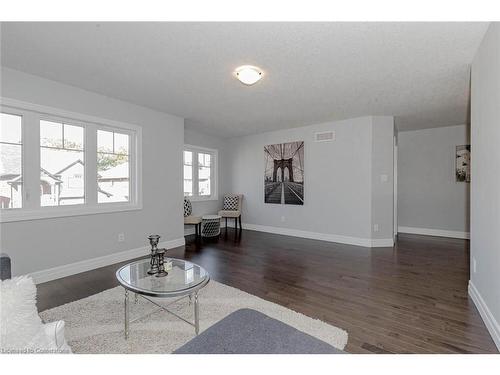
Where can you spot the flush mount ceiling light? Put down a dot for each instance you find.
(248, 74)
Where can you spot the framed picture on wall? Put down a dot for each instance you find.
(462, 163)
(284, 173)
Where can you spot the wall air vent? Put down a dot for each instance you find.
(324, 136)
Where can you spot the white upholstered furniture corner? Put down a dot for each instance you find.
(21, 329)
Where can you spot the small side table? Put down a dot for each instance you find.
(211, 225)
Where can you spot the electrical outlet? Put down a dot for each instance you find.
(474, 265)
(375, 227)
(121, 237)
(283, 219)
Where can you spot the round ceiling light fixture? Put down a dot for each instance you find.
(248, 74)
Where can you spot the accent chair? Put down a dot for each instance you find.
(232, 208)
(189, 219)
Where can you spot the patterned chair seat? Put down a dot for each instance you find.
(188, 220)
(227, 213)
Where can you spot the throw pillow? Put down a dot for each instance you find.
(231, 203)
(188, 207)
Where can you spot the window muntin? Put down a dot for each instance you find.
(113, 169)
(62, 164)
(11, 161)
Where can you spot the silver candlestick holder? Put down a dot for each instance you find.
(161, 263)
(154, 239)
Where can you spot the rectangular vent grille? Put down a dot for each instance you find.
(324, 136)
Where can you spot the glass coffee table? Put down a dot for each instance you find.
(184, 280)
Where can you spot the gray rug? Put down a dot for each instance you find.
(95, 324)
(247, 331)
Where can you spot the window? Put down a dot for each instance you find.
(204, 170)
(188, 173)
(112, 167)
(56, 163)
(62, 164)
(200, 173)
(11, 153)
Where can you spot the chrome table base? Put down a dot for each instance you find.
(192, 296)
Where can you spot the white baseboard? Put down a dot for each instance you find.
(366, 242)
(488, 318)
(435, 232)
(382, 242)
(90, 264)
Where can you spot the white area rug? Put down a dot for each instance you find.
(95, 324)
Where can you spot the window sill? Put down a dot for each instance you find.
(14, 215)
(202, 199)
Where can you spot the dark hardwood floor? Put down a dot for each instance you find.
(408, 299)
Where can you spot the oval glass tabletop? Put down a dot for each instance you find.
(184, 278)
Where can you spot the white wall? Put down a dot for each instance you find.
(337, 182)
(428, 195)
(382, 177)
(40, 244)
(485, 181)
(196, 138)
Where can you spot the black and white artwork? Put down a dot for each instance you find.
(462, 163)
(284, 173)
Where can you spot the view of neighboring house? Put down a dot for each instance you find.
(10, 178)
(114, 184)
(65, 186)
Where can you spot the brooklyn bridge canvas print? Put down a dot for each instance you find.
(284, 173)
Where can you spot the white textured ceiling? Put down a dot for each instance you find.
(314, 72)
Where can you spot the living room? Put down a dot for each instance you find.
(250, 187)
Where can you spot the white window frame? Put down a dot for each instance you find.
(68, 121)
(132, 164)
(16, 112)
(31, 116)
(214, 174)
